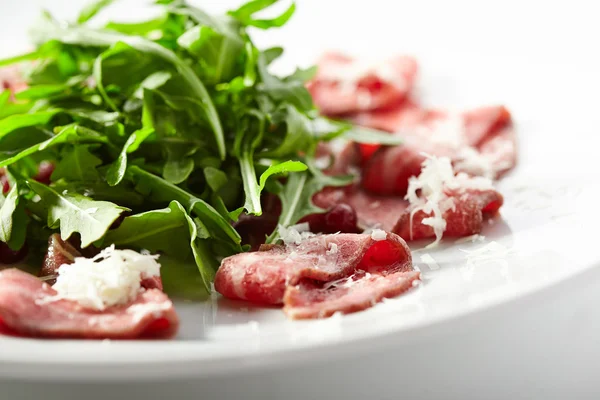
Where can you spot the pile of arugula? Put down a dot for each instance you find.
(175, 123)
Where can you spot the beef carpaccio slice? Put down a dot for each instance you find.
(471, 208)
(344, 85)
(317, 277)
(27, 308)
(479, 142)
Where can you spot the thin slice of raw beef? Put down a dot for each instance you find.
(27, 308)
(344, 85)
(316, 277)
(465, 218)
(479, 142)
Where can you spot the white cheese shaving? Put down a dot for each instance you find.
(295, 234)
(427, 192)
(111, 278)
(333, 249)
(430, 261)
(473, 162)
(378, 234)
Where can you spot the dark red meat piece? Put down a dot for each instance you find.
(471, 208)
(25, 310)
(488, 131)
(334, 94)
(304, 277)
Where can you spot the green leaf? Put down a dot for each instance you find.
(76, 213)
(218, 53)
(292, 91)
(78, 164)
(215, 178)
(13, 219)
(179, 164)
(281, 169)
(89, 37)
(181, 279)
(4, 97)
(245, 14)
(299, 135)
(162, 191)
(157, 230)
(69, 134)
(14, 122)
(165, 230)
(296, 196)
(371, 136)
(92, 9)
(34, 55)
(116, 172)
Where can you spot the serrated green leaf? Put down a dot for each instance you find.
(69, 134)
(76, 213)
(116, 172)
(78, 164)
(92, 9)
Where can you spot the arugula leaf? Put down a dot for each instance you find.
(116, 172)
(296, 196)
(78, 164)
(4, 97)
(14, 122)
(164, 230)
(371, 136)
(92, 9)
(181, 279)
(70, 134)
(13, 219)
(155, 230)
(88, 37)
(291, 91)
(73, 212)
(162, 191)
(179, 165)
(245, 14)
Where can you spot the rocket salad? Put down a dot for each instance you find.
(161, 134)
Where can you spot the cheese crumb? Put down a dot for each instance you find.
(378, 235)
(111, 278)
(295, 234)
(333, 249)
(427, 192)
(430, 261)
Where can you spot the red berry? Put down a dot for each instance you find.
(8, 256)
(45, 170)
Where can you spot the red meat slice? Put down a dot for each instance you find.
(372, 211)
(344, 85)
(312, 300)
(486, 131)
(25, 311)
(306, 277)
(471, 208)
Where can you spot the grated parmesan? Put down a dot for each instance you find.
(437, 175)
(295, 234)
(378, 235)
(111, 278)
(430, 261)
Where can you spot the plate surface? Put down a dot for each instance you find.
(512, 295)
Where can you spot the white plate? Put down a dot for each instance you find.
(520, 324)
